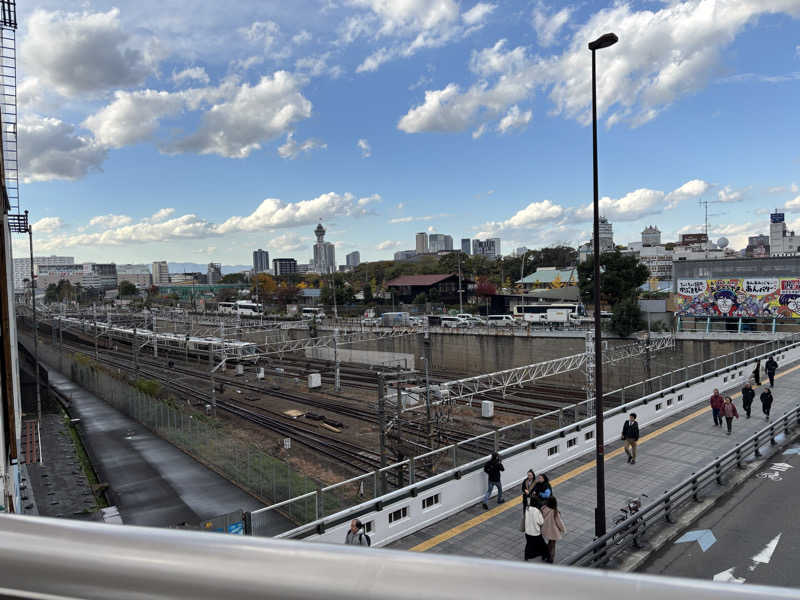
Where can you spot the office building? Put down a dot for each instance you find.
(757, 246)
(651, 236)
(214, 273)
(160, 273)
(324, 260)
(22, 267)
(353, 259)
(781, 240)
(422, 242)
(284, 266)
(188, 278)
(52, 274)
(101, 276)
(490, 248)
(138, 275)
(403, 255)
(260, 261)
(466, 245)
(438, 242)
(518, 252)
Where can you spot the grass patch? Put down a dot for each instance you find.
(86, 464)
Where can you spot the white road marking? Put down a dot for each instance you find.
(765, 555)
(727, 576)
(782, 467)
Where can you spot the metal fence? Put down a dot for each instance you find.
(663, 508)
(201, 436)
(441, 460)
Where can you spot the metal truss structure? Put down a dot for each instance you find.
(329, 341)
(467, 389)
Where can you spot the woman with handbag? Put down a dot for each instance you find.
(534, 542)
(553, 528)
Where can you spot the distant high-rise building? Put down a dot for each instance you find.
(22, 267)
(160, 273)
(422, 242)
(404, 255)
(138, 275)
(466, 245)
(651, 236)
(490, 248)
(781, 240)
(353, 259)
(284, 266)
(606, 235)
(520, 251)
(214, 273)
(324, 253)
(100, 275)
(260, 261)
(438, 242)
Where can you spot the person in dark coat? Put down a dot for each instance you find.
(716, 401)
(770, 367)
(630, 435)
(747, 398)
(757, 373)
(492, 470)
(729, 412)
(527, 488)
(541, 491)
(766, 402)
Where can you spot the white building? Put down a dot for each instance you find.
(781, 240)
(353, 259)
(138, 275)
(160, 273)
(422, 243)
(651, 236)
(324, 260)
(438, 242)
(586, 251)
(22, 267)
(214, 273)
(490, 248)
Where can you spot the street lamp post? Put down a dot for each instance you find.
(603, 41)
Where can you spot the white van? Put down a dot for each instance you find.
(450, 321)
(313, 313)
(500, 321)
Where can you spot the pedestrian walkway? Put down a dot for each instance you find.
(152, 482)
(668, 453)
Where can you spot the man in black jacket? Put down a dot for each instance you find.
(748, 394)
(492, 469)
(770, 367)
(630, 434)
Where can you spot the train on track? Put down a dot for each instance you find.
(233, 351)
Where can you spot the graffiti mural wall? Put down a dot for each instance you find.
(764, 297)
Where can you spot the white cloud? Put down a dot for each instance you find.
(479, 131)
(161, 215)
(547, 26)
(268, 34)
(793, 188)
(478, 13)
(691, 189)
(400, 206)
(132, 117)
(301, 37)
(50, 149)
(255, 114)
(191, 74)
(292, 149)
(389, 245)
(366, 149)
(417, 219)
(728, 194)
(532, 216)
(630, 207)
(110, 221)
(514, 119)
(288, 242)
(83, 53)
(47, 225)
(314, 66)
(793, 205)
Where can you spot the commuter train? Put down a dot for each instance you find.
(234, 351)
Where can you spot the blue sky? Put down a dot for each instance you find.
(167, 130)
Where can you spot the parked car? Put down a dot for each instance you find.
(500, 321)
(451, 321)
(474, 320)
(370, 321)
(416, 321)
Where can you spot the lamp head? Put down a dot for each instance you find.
(604, 41)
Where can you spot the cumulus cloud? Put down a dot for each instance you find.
(389, 245)
(292, 148)
(668, 53)
(514, 119)
(50, 149)
(110, 221)
(288, 242)
(548, 26)
(47, 225)
(630, 207)
(83, 53)
(397, 220)
(728, 194)
(191, 74)
(782, 189)
(793, 205)
(689, 190)
(532, 216)
(366, 149)
(161, 215)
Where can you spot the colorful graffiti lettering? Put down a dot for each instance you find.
(754, 297)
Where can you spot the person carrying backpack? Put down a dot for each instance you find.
(766, 402)
(355, 536)
(492, 470)
(748, 394)
(770, 367)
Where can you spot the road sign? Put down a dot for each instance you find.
(287, 443)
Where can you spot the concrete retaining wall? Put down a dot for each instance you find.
(373, 358)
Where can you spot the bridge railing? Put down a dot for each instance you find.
(664, 508)
(66, 559)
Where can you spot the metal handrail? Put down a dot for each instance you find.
(597, 553)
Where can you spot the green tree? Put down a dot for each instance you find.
(51, 294)
(126, 288)
(226, 295)
(368, 296)
(621, 276)
(233, 278)
(627, 317)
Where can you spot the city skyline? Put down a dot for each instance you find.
(295, 119)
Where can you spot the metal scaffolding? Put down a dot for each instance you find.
(331, 341)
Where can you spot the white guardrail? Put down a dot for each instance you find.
(425, 502)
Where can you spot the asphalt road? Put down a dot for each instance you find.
(746, 527)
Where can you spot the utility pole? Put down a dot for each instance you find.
(460, 290)
(427, 346)
(94, 320)
(382, 427)
(337, 384)
(155, 339)
(135, 348)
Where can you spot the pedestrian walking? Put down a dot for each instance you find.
(493, 469)
(527, 489)
(356, 536)
(747, 398)
(729, 412)
(534, 542)
(757, 373)
(766, 402)
(553, 528)
(770, 367)
(630, 435)
(716, 402)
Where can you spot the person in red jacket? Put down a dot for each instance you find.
(716, 402)
(729, 412)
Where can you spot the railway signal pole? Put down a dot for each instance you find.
(382, 426)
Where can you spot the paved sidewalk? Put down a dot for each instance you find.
(668, 453)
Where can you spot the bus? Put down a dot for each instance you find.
(546, 312)
(241, 307)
